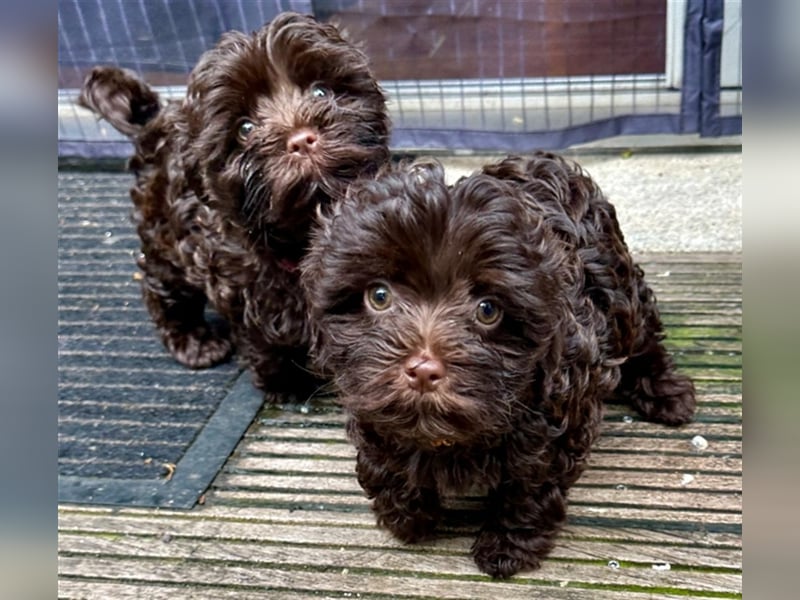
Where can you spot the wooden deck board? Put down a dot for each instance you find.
(81, 589)
(653, 516)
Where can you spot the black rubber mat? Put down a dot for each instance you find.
(135, 427)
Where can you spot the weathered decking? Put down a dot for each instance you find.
(653, 517)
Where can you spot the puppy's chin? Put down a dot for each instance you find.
(281, 196)
(285, 191)
(430, 421)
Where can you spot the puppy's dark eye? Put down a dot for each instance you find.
(246, 127)
(488, 313)
(379, 297)
(319, 92)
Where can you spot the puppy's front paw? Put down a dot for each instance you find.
(409, 520)
(198, 349)
(673, 401)
(407, 529)
(497, 555)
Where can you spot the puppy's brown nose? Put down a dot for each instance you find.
(303, 141)
(423, 372)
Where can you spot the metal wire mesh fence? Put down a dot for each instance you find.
(508, 75)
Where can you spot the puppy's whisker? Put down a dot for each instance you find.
(323, 390)
(305, 369)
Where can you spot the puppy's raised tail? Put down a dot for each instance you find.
(120, 97)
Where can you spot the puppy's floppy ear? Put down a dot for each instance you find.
(569, 368)
(120, 97)
(220, 67)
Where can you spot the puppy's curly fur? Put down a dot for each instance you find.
(474, 333)
(228, 181)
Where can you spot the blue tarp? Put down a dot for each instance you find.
(162, 40)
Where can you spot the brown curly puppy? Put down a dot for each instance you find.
(228, 181)
(473, 333)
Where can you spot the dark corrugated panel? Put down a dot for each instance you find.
(125, 406)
